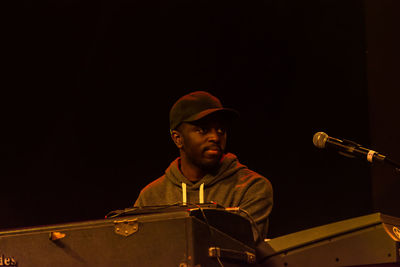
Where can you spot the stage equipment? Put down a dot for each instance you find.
(371, 240)
(351, 149)
(181, 238)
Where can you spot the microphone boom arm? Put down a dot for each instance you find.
(352, 149)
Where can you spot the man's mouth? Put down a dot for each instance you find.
(212, 151)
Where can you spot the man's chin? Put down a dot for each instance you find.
(211, 163)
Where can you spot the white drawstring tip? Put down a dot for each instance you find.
(184, 195)
(201, 194)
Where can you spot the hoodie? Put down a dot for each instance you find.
(232, 185)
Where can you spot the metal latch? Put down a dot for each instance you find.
(223, 253)
(54, 236)
(126, 227)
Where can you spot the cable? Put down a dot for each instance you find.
(146, 209)
(211, 240)
(252, 221)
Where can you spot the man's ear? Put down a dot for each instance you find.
(177, 138)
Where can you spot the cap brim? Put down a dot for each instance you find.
(228, 113)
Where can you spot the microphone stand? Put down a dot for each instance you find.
(382, 158)
(394, 164)
(385, 159)
(351, 149)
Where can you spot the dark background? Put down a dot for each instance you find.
(87, 87)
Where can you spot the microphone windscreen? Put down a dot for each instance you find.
(319, 139)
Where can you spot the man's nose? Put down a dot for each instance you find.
(214, 135)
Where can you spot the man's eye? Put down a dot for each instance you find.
(221, 130)
(201, 130)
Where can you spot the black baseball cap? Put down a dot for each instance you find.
(195, 106)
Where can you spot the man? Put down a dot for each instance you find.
(204, 172)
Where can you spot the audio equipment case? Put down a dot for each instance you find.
(179, 238)
(372, 240)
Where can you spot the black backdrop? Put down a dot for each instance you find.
(88, 86)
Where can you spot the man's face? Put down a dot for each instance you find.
(204, 141)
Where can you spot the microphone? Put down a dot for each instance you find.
(347, 148)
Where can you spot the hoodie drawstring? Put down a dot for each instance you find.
(184, 193)
(201, 193)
